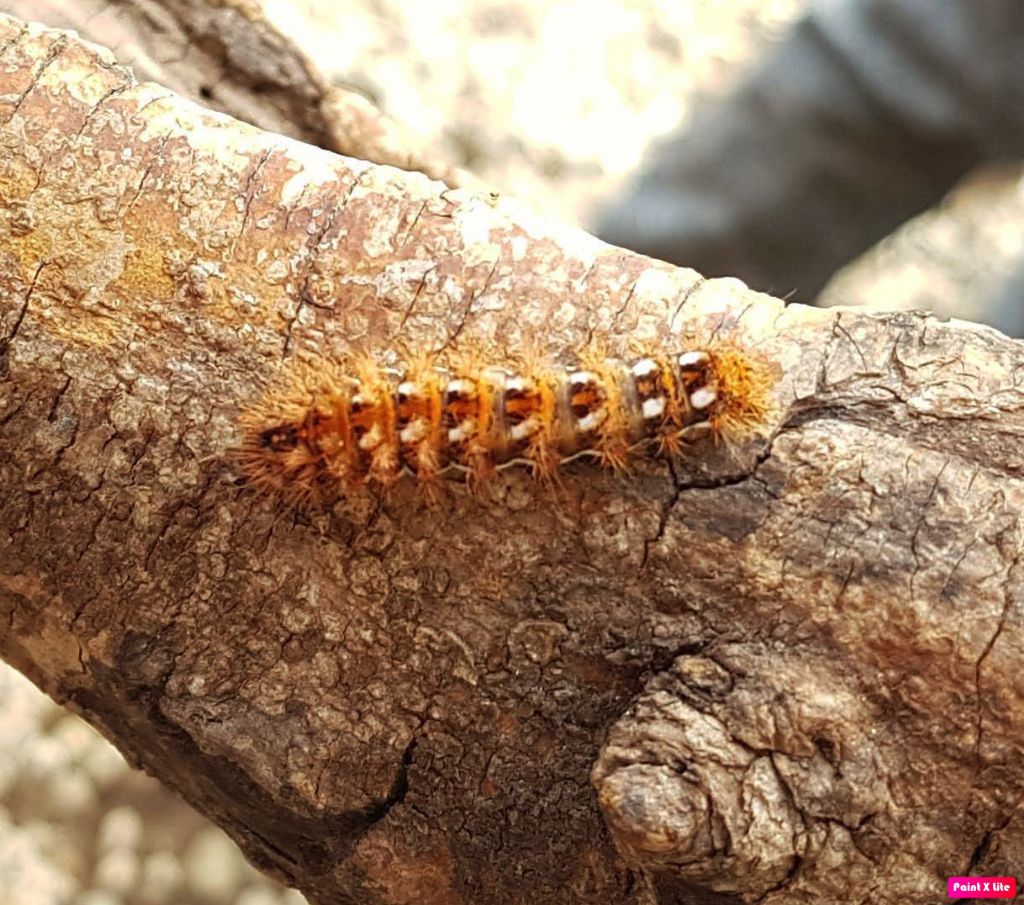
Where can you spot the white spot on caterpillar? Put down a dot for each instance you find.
(690, 360)
(463, 432)
(592, 421)
(702, 398)
(582, 378)
(652, 408)
(524, 429)
(518, 384)
(645, 367)
(372, 438)
(414, 431)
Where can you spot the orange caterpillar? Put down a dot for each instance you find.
(329, 431)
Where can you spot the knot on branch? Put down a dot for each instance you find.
(726, 782)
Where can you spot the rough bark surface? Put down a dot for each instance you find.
(785, 673)
(228, 56)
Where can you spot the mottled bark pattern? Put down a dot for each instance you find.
(229, 56)
(787, 673)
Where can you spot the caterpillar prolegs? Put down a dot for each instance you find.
(328, 430)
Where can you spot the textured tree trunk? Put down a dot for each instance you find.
(229, 56)
(787, 672)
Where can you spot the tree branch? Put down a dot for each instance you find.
(782, 673)
(231, 57)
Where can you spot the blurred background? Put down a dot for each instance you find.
(555, 101)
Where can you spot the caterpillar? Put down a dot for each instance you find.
(327, 429)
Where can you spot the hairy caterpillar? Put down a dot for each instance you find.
(329, 430)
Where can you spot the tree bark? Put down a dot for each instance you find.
(781, 673)
(228, 55)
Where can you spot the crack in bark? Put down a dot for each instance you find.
(692, 290)
(920, 522)
(453, 337)
(7, 340)
(249, 193)
(58, 46)
(22, 31)
(663, 515)
(981, 850)
(99, 104)
(412, 305)
(979, 664)
(51, 415)
(152, 165)
(310, 259)
(821, 378)
(412, 226)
